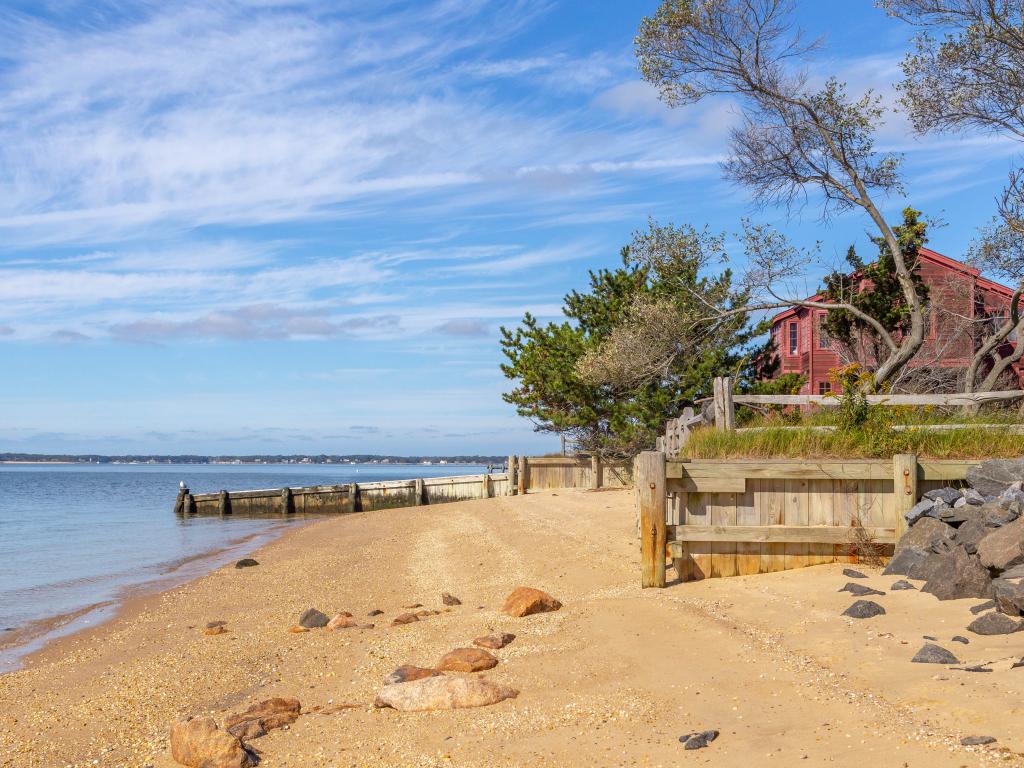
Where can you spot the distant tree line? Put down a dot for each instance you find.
(359, 458)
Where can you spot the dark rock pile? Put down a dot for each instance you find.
(969, 543)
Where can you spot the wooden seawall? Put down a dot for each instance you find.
(525, 474)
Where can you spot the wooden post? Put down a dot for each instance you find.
(904, 486)
(719, 395)
(510, 489)
(417, 491)
(188, 505)
(353, 496)
(650, 486)
(730, 409)
(179, 501)
(596, 472)
(521, 476)
(224, 503)
(485, 489)
(287, 506)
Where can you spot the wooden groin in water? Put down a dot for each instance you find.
(524, 474)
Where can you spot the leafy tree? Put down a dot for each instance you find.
(876, 291)
(570, 381)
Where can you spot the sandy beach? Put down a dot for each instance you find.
(612, 679)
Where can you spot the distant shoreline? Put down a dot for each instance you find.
(250, 459)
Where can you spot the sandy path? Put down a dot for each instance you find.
(612, 679)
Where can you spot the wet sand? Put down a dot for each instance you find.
(612, 679)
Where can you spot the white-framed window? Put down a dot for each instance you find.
(794, 337)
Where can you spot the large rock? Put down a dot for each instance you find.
(260, 718)
(957, 575)
(197, 742)
(992, 477)
(443, 693)
(927, 534)
(1009, 596)
(864, 609)
(910, 562)
(467, 660)
(524, 601)
(860, 590)
(948, 495)
(311, 618)
(1004, 547)
(994, 624)
(919, 510)
(970, 534)
(1012, 500)
(934, 654)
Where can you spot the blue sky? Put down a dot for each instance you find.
(261, 226)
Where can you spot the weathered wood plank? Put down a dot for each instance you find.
(722, 511)
(696, 513)
(905, 494)
(708, 484)
(796, 514)
(789, 535)
(799, 469)
(956, 399)
(650, 487)
(748, 554)
(820, 511)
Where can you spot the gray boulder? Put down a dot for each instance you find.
(970, 534)
(1012, 500)
(911, 562)
(313, 619)
(1004, 547)
(948, 495)
(994, 624)
(1009, 596)
(864, 609)
(988, 605)
(934, 654)
(919, 510)
(927, 534)
(977, 741)
(852, 574)
(901, 584)
(973, 498)
(957, 575)
(994, 476)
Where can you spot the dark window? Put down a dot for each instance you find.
(824, 342)
(794, 338)
(824, 387)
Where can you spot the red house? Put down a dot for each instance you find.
(959, 297)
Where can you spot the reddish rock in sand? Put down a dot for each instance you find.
(525, 601)
(197, 742)
(214, 631)
(341, 621)
(295, 630)
(467, 660)
(405, 618)
(495, 640)
(409, 672)
(263, 717)
(410, 606)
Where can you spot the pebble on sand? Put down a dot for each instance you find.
(449, 599)
(495, 640)
(698, 740)
(852, 574)
(525, 601)
(901, 584)
(218, 630)
(467, 660)
(864, 609)
(977, 741)
(246, 562)
(311, 618)
(405, 618)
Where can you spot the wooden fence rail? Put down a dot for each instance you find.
(725, 518)
(720, 410)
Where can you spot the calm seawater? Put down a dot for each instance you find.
(75, 536)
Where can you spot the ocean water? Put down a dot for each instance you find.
(77, 539)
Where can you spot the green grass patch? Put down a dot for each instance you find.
(792, 436)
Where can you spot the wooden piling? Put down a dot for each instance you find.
(904, 478)
(417, 492)
(651, 497)
(353, 496)
(224, 503)
(485, 489)
(596, 472)
(188, 506)
(521, 476)
(287, 504)
(179, 502)
(510, 489)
